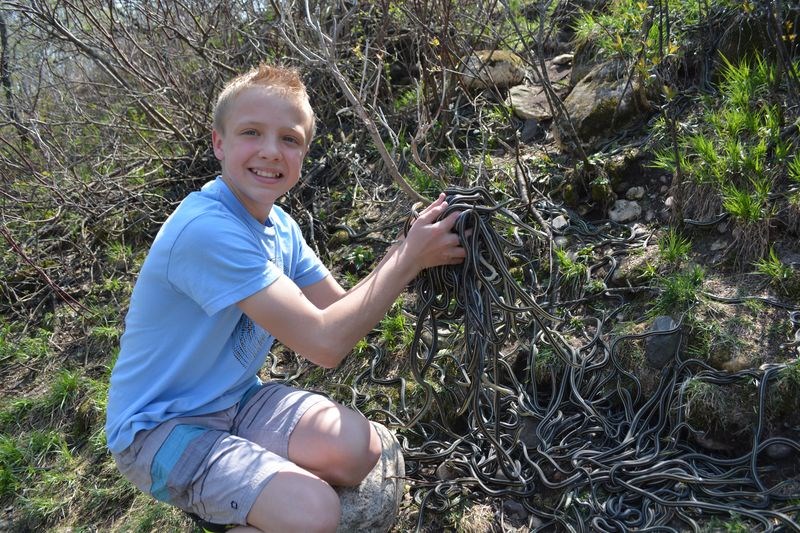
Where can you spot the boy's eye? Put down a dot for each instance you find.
(249, 132)
(291, 139)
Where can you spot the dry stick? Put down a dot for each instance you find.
(69, 300)
(327, 47)
(561, 116)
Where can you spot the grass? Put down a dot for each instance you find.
(679, 292)
(780, 275)
(673, 248)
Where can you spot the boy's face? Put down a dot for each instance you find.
(261, 152)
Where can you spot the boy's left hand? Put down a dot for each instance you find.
(431, 242)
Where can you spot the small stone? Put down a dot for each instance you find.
(661, 349)
(373, 505)
(663, 188)
(722, 227)
(635, 193)
(624, 211)
(527, 433)
(514, 510)
(529, 102)
(664, 179)
(779, 451)
(560, 222)
(445, 471)
(563, 59)
(718, 245)
(649, 215)
(668, 202)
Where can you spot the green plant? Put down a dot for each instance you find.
(673, 247)
(778, 273)
(64, 388)
(395, 331)
(678, 292)
(12, 460)
(571, 269)
(794, 169)
(360, 257)
(742, 205)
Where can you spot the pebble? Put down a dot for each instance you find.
(635, 193)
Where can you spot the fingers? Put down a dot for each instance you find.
(432, 212)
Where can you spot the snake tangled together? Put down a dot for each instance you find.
(520, 393)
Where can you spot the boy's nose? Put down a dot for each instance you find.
(269, 149)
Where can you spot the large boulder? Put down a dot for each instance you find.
(372, 506)
(605, 101)
(487, 68)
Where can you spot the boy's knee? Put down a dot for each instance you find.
(298, 505)
(320, 511)
(363, 453)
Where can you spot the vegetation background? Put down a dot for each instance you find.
(104, 128)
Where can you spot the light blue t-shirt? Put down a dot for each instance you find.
(187, 348)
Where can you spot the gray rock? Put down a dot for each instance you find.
(373, 505)
(599, 105)
(487, 68)
(562, 59)
(669, 201)
(661, 349)
(529, 102)
(624, 211)
(560, 222)
(635, 193)
(779, 451)
(718, 245)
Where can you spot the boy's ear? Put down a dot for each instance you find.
(216, 142)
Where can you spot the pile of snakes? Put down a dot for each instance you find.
(519, 395)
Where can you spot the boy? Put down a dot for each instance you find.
(188, 420)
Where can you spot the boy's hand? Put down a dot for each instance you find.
(431, 242)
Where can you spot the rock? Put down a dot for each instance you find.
(530, 129)
(560, 222)
(373, 505)
(514, 510)
(668, 202)
(721, 244)
(529, 102)
(487, 68)
(563, 59)
(779, 451)
(722, 227)
(649, 215)
(661, 349)
(624, 211)
(599, 105)
(527, 432)
(445, 471)
(635, 193)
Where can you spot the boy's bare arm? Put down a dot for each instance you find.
(326, 335)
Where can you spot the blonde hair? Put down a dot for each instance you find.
(285, 80)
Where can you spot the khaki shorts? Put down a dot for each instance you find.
(216, 465)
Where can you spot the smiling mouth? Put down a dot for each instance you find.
(266, 174)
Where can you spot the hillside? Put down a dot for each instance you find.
(620, 353)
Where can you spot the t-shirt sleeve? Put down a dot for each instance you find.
(217, 262)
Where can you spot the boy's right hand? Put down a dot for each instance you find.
(431, 242)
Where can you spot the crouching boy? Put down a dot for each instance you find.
(189, 421)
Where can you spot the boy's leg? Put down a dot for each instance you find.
(336, 444)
